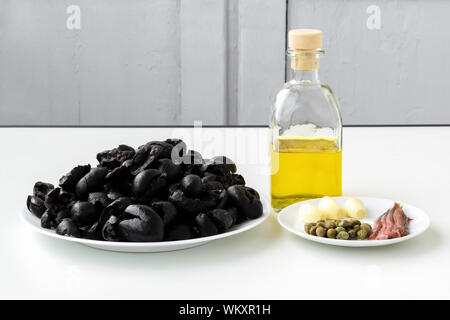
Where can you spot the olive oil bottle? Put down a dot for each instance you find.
(306, 129)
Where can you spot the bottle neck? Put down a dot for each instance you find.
(305, 65)
(305, 76)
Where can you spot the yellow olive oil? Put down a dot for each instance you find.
(304, 168)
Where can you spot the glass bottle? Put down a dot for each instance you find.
(306, 129)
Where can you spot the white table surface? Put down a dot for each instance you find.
(410, 164)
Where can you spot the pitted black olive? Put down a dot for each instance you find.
(116, 209)
(181, 231)
(141, 223)
(115, 157)
(58, 199)
(98, 199)
(68, 228)
(48, 220)
(219, 165)
(69, 181)
(149, 154)
(179, 148)
(172, 170)
(92, 181)
(187, 204)
(36, 206)
(223, 219)
(109, 232)
(148, 183)
(205, 225)
(84, 213)
(41, 189)
(192, 184)
(246, 201)
(166, 210)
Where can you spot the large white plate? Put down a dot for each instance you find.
(35, 223)
(289, 219)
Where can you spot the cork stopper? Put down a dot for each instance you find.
(305, 39)
(305, 44)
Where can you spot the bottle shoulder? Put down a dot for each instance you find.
(306, 102)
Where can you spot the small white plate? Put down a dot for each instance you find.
(289, 219)
(35, 223)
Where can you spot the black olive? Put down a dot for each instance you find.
(109, 231)
(181, 231)
(205, 226)
(141, 223)
(219, 165)
(172, 170)
(149, 154)
(67, 228)
(246, 201)
(166, 210)
(36, 206)
(179, 148)
(98, 199)
(41, 189)
(187, 204)
(92, 181)
(58, 199)
(192, 184)
(48, 220)
(115, 208)
(222, 218)
(148, 183)
(115, 157)
(84, 213)
(69, 181)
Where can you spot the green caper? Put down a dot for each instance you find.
(331, 233)
(321, 232)
(355, 222)
(339, 229)
(367, 227)
(343, 235)
(362, 234)
(308, 226)
(320, 221)
(321, 224)
(357, 227)
(352, 233)
(312, 231)
(330, 224)
(345, 224)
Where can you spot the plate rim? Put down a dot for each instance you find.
(353, 244)
(25, 215)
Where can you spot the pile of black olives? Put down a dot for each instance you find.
(159, 192)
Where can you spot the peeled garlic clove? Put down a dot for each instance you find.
(331, 209)
(309, 213)
(354, 208)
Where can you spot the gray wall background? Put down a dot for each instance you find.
(170, 62)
